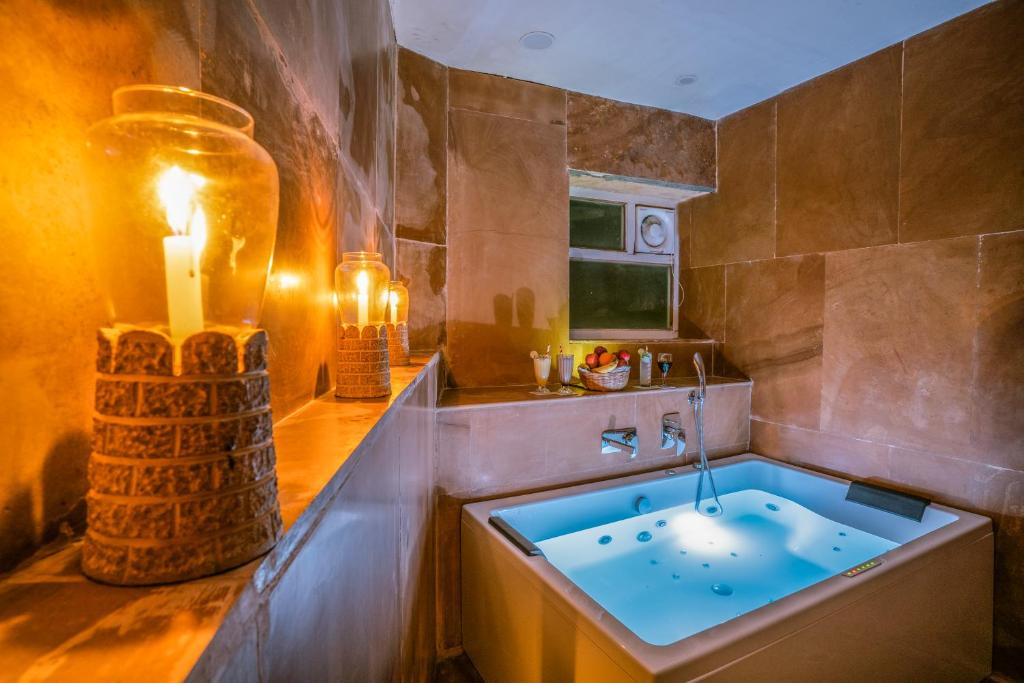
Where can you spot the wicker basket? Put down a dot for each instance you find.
(616, 380)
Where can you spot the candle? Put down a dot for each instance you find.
(362, 298)
(182, 250)
(392, 306)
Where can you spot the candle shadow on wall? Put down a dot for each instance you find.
(497, 354)
(64, 485)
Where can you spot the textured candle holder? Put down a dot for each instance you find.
(398, 344)
(363, 362)
(182, 472)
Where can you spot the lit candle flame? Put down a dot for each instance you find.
(177, 189)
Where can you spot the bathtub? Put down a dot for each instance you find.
(911, 600)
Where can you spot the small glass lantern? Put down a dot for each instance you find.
(185, 215)
(398, 302)
(185, 210)
(398, 323)
(362, 293)
(361, 285)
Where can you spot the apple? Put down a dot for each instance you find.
(600, 351)
(624, 357)
(591, 360)
(623, 364)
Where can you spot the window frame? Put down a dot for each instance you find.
(630, 201)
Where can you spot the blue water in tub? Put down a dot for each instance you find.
(673, 573)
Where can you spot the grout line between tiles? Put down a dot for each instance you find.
(775, 178)
(899, 145)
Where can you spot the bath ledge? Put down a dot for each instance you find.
(59, 624)
(475, 397)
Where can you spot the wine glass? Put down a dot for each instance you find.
(664, 365)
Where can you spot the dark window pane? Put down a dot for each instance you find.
(622, 296)
(596, 225)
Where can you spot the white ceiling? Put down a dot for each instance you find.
(742, 51)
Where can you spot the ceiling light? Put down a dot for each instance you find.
(537, 40)
(686, 79)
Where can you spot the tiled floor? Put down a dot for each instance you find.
(457, 670)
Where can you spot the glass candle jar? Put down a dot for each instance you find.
(184, 210)
(398, 303)
(361, 286)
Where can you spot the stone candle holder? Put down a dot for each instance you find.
(398, 344)
(362, 370)
(182, 472)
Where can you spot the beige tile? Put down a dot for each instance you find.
(726, 421)
(507, 246)
(899, 329)
(641, 142)
(416, 565)
(424, 267)
(573, 439)
(838, 158)
(505, 96)
(448, 536)
(997, 392)
(479, 396)
(737, 222)
(387, 118)
(840, 455)
(774, 319)
(997, 493)
(360, 531)
(963, 126)
(421, 143)
(703, 309)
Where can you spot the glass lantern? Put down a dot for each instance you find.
(398, 302)
(185, 211)
(361, 286)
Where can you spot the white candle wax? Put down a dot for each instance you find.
(362, 299)
(184, 287)
(182, 250)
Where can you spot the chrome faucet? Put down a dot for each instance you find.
(620, 440)
(672, 433)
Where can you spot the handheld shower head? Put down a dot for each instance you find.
(698, 362)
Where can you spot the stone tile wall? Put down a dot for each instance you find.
(862, 263)
(482, 211)
(318, 76)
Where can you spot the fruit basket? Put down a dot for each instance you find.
(616, 380)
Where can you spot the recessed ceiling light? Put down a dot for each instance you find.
(686, 79)
(537, 40)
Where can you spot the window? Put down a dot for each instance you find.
(623, 270)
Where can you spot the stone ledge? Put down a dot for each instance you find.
(63, 626)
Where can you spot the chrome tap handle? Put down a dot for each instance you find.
(620, 440)
(673, 433)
